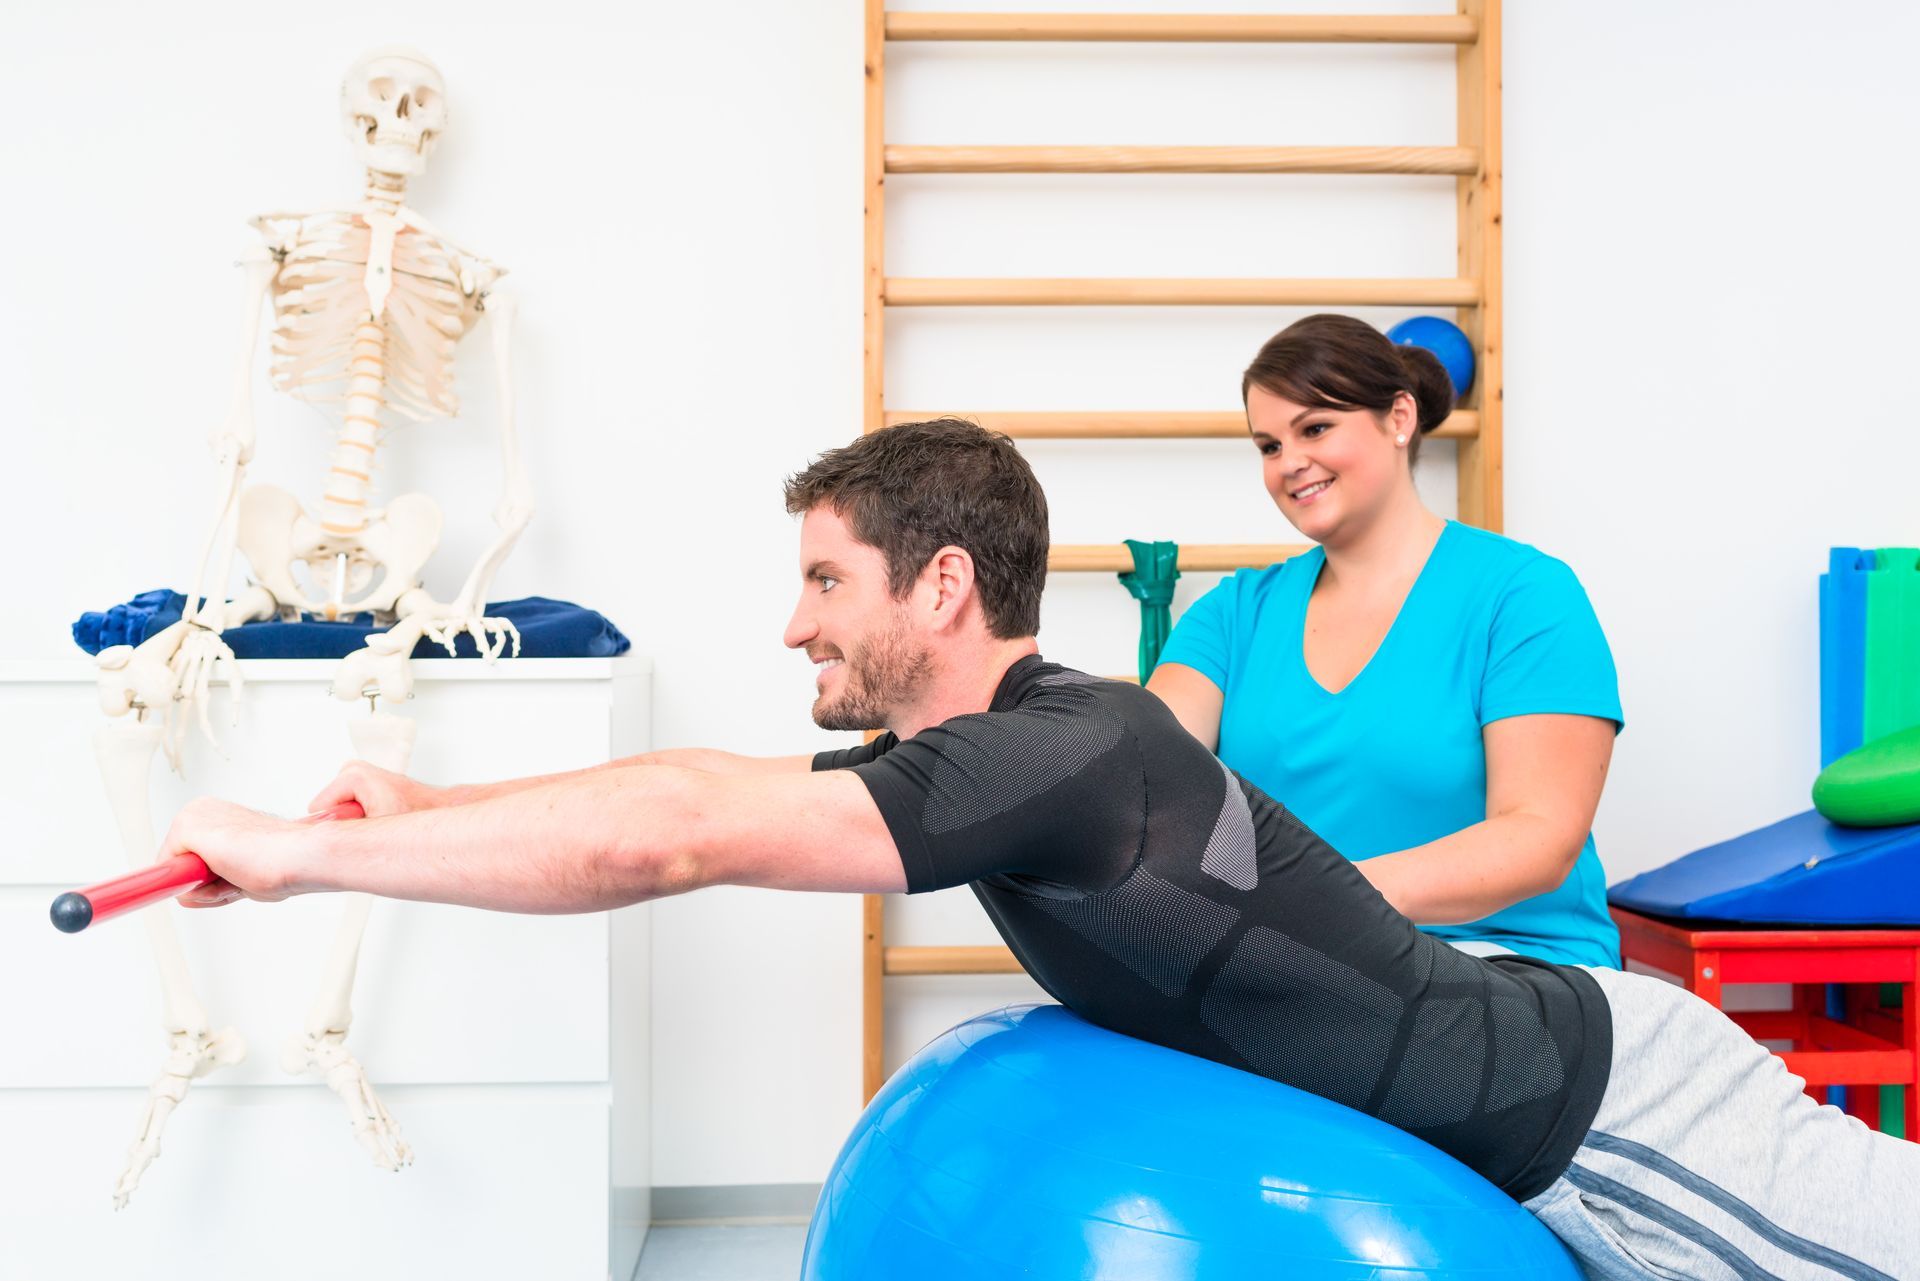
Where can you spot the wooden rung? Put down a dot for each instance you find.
(1081, 424)
(899, 291)
(1186, 28)
(1425, 160)
(949, 960)
(1198, 558)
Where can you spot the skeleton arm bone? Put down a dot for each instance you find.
(191, 656)
(174, 668)
(517, 498)
(515, 508)
(232, 443)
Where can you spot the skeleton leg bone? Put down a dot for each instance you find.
(125, 751)
(387, 741)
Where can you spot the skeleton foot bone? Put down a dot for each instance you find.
(193, 1054)
(326, 1055)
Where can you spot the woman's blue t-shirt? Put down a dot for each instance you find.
(1491, 628)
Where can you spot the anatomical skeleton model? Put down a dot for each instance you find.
(369, 303)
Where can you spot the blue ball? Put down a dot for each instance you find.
(1444, 339)
(1030, 1143)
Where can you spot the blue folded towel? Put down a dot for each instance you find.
(548, 629)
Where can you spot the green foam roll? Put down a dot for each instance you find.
(1877, 785)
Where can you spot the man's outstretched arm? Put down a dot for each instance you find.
(582, 843)
(381, 792)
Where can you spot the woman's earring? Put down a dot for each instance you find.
(1400, 439)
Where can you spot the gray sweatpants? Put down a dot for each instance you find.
(1707, 1160)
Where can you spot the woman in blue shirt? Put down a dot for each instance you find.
(1436, 701)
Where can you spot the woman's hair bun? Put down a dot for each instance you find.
(1432, 388)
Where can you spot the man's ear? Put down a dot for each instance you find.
(950, 573)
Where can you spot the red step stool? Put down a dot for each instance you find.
(1874, 1046)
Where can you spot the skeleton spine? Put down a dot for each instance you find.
(343, 504)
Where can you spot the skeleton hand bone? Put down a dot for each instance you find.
(490, 635)
(192, 1054)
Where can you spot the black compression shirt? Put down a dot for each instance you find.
(1152, 891)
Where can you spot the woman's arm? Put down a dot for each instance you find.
(1544, 775)
(1194, 700)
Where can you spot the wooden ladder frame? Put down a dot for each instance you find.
(1474, 161)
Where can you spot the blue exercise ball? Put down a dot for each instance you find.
(1030, 1143)
(1444, 339)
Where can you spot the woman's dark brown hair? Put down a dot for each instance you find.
(1337, 362)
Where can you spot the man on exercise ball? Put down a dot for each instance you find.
(1143, 885)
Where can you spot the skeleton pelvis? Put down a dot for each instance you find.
(345, 569)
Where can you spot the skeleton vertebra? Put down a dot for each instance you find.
(369, 304)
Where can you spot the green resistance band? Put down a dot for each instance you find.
(1156, 568)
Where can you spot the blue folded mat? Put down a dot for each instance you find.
(548, 629)
(1800, 871)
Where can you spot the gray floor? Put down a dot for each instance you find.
(745, 1253)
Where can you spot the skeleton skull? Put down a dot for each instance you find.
(393, 103)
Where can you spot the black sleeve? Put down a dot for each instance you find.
(845, 757)
(1049, 792)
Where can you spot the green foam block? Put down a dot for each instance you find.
(1877, 785)
(1892, 691)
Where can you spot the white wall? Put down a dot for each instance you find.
(1708, 271)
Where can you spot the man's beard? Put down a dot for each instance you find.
(880, 675)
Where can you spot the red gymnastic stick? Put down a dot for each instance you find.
(77, 909)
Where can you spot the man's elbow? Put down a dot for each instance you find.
(663, 873)
(647, 865)
(660, 818)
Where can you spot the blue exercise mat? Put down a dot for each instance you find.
(1800, 871)
(548, 629)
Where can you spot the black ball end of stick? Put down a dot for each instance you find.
(72, 913)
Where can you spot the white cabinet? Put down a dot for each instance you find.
(512, 1050)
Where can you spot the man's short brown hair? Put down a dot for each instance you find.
(911, 489)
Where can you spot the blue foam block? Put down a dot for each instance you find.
(1843, 651)
(1800, 871)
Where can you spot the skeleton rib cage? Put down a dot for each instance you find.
(320, 301)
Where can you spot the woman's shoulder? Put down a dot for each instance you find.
(1252, 591)
(1278, 576)
(1495, 561)
(1228, 619)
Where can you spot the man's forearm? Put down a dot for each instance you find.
(709, 761)
(704, 759)
(582, 842)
